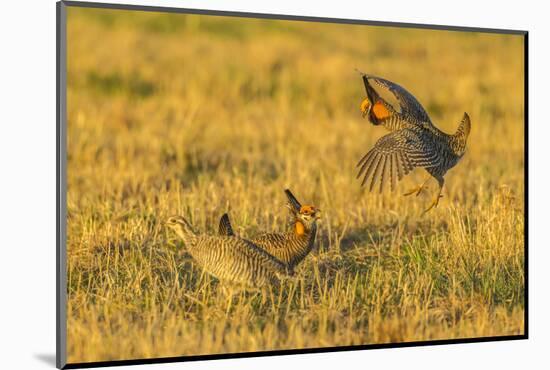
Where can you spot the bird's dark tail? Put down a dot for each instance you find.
(460, 137)
(225, 227)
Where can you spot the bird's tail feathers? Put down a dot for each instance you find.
(461, 135)
(225, 227)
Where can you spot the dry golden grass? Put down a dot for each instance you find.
(196, 115)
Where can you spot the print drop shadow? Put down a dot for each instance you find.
(46, 358)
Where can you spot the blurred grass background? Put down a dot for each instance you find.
(198, 115)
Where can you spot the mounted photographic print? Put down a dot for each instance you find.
(234, 184)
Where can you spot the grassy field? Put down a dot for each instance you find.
(199, 115)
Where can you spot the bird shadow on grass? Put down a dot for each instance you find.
(366, 235)
(373, 237)
(357, 249)
(345, 254)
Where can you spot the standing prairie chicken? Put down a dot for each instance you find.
(413, 142)
(231, 259)
(292, 246)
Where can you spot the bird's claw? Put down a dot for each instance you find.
(416, 190)
(434, 204)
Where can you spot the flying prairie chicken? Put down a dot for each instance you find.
(233, 260)
(292, 246)
(413, 142)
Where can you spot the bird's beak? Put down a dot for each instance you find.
(365, 104)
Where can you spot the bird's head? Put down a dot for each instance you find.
(308, 213)
(305, 217)
(177, 224)
(373, 106)
(365, 107)
(302, 216)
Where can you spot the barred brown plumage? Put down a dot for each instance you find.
(290, 247)
(413, 141)
(229, 258)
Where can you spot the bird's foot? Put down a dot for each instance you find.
(434, 204)
(229, 304)
(416, 190)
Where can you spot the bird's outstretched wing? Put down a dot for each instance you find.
(407, 102)
(395, 155)
(225, 227)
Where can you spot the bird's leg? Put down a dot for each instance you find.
(229, 292)
(435, 202)
(272, 299)
(241, 297)
(417, 189)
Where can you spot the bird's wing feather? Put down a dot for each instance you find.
(395, 155)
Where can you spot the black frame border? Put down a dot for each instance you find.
(61, 185)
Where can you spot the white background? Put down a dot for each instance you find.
(27, 183)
